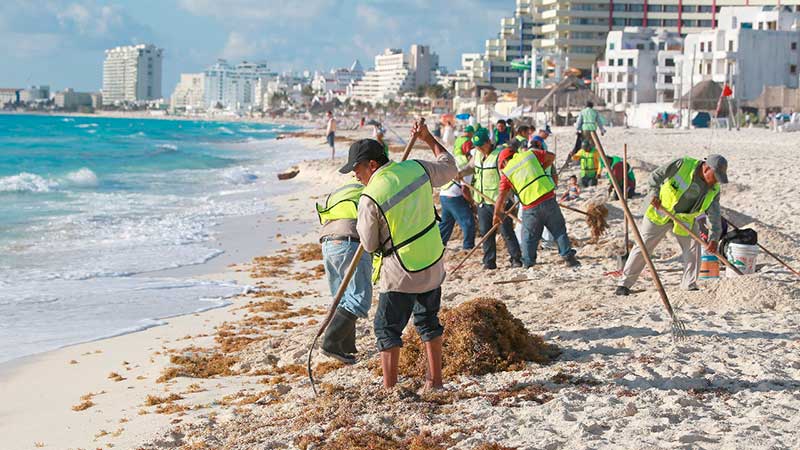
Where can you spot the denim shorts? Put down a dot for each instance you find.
(394, 311)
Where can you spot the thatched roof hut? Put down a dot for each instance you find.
(705, 96)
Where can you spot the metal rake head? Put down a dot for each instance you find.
(678, 329)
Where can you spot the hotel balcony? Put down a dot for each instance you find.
(617, 69)
(665, 86)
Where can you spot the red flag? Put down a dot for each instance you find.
(726, 91)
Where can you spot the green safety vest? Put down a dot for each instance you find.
(588, 168)
(671, 192)
(458, 143)
(341, 203)
(487, 176)
(614, 161)
(527, 176)
(589, 119)
(404, 194)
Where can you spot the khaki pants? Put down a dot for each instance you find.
(652, 234)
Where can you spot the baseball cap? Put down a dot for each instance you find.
(481, 137)
(546, 129)
(719, 165)
(469, 129)
(363, 150)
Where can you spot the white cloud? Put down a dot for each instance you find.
(374, 18)
(255, 10)
(239, 46)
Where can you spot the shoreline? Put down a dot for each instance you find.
(623, 372)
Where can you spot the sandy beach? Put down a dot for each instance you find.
(234, 377)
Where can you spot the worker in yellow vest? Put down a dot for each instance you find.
(524, 172)
(397, 219)
(339, 239)
(686, 187)
(589, 158)
(487, 180)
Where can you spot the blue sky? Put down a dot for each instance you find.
(61, 42)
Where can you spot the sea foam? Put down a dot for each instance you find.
(26, 182)
(83, 177)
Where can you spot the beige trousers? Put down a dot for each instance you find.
(652, 234)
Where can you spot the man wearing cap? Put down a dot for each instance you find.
(397, 220)
(339, 239)
(487, 181)
(686, 187)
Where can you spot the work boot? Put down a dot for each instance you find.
(516, 263)
(340, 337)
(622, 291)
(572, 261)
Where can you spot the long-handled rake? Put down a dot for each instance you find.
(343, 286)
(678, 327)
(485, 236)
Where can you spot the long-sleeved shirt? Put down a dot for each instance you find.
(693, 198)
(598, 168)
(339, 227)
(579, 122)
(373, 231)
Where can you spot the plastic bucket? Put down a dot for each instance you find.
(743, 257)
(709, 266)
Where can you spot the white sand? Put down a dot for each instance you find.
(621, 381)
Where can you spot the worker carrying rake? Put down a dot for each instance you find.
(397, 219)
(525, 172)
(686, 188)
(339, 239)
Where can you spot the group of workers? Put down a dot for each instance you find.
(390, 212)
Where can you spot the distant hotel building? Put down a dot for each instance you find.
(132, 74)
(236, 87)
(339, 80)
(69, 100)
(753, 47)
(639, 66)
(9, 96)
(397, 72)
(189, 94)
(35, 94)
(557, 34)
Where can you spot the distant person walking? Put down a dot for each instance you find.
(588, 120)
(330, 133)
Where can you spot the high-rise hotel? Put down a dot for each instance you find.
(132, 74)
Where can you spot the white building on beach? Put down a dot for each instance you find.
(337, 81)
(753, 47)
(639, 66)
(189, 94)
(397, 72)
(236, 87)
(132, 74)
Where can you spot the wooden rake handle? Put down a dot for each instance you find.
(636, 234)
(485, 197)
(694, 236)
(483, 239)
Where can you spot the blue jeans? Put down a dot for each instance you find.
(485, 217)
(336, 256)
(456, 209)
(546, 214)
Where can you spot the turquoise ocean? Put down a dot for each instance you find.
(92, 208)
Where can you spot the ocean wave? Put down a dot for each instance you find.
(26, 182)
(169, 147)
(225, 130)
(86, 125)
(240, 175)
(68, 119)
(83, 177)
(254, 130)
